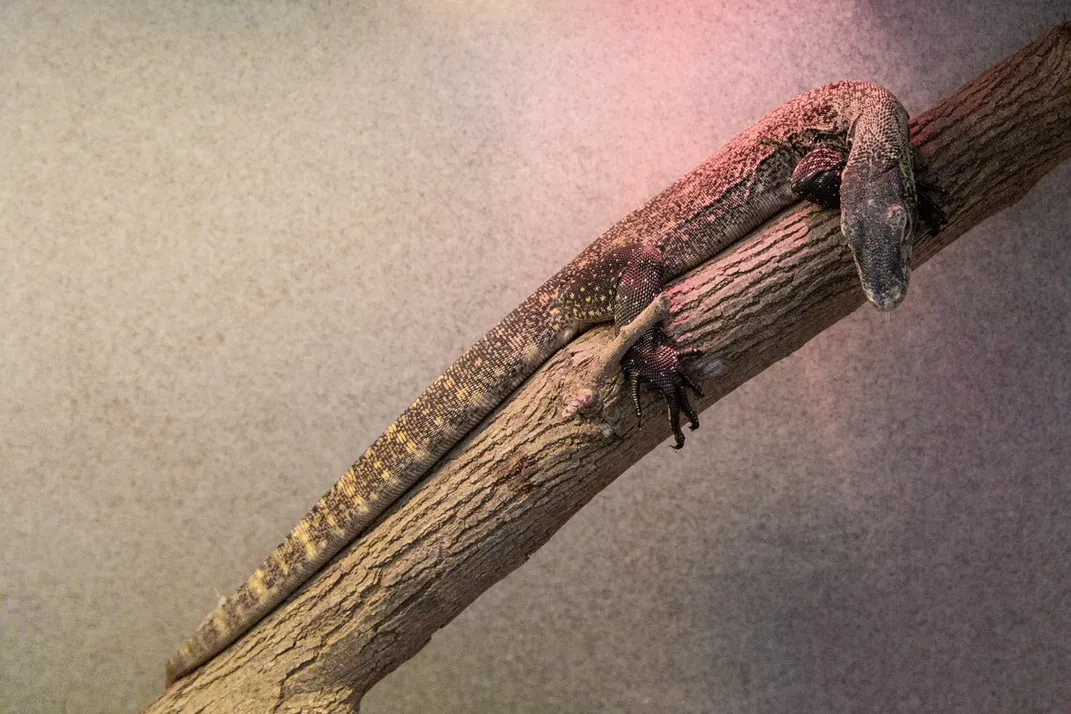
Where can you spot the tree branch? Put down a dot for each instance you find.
(507, 488)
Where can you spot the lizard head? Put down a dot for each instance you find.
(877, 220)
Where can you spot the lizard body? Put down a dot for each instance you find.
(845, 143)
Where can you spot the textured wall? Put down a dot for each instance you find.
(237, 240)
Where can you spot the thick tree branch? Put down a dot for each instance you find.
(506, 489)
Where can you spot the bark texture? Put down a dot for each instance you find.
(507, 488)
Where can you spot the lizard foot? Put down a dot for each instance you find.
(656, 359)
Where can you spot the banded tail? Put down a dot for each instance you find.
(454, 404)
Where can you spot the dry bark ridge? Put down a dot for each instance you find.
(507, 488)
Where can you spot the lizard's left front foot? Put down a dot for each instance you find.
(655, 359)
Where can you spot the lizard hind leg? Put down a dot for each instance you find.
(654, 358)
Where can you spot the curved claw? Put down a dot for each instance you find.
(655, 359)
(689, 411)
(678, 402)
(675, 420)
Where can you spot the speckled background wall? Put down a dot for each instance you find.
(236, 239)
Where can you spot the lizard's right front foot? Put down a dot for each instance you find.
(655, 359)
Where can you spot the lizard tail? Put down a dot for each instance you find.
(454, 404)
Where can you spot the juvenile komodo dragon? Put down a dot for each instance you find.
(845, 144)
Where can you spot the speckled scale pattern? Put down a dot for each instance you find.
(466, 392)
(722, 200)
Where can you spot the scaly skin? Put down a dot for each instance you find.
(858, 133)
